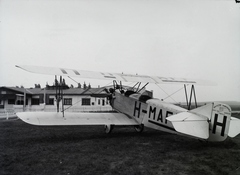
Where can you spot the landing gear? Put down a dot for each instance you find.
(108, 128)
(139, 128)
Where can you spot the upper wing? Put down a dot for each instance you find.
(54, 118)
(112, 76)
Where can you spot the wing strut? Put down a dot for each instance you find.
(59, 92)
(61, 89)
(138, 89)
(143, 87)
(192, 93)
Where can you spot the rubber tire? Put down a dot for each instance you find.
(108, 129)
(139, 128)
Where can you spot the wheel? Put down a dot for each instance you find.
(108, 129)
(139, 128)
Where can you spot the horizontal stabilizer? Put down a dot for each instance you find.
(190, 124)
(54, 118)
(112, 76)
(234, 127)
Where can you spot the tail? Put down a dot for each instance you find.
(211, 122)
(219, 122)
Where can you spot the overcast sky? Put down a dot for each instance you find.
(189, 39)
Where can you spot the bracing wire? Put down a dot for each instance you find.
(166, 93)
(174, 93)
(71, 105)
(72, 79)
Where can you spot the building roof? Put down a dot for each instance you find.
(16, 89)
(71, 91)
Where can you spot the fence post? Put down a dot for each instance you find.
(6, 113)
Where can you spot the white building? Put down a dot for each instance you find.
(74, 99)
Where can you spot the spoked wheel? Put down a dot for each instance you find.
(139, 128)
(108, 129)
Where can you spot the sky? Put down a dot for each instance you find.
(181, 38)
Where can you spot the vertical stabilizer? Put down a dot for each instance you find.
(219, 122)
(205, 110)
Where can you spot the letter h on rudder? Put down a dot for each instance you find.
(216, 123)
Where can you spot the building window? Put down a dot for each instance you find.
(20, 102)
(35, 101)
(103, 102)
(99, 101)
(1, 104)
(67, 101)
(86, 102)
(11, 101)
(50, 101)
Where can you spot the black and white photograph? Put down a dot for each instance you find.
(119, 87)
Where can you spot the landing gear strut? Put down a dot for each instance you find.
(108, 128)
(139, 128)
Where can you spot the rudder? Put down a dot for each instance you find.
(219, 122)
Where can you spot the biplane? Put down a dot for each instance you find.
(136, 107)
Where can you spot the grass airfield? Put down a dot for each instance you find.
(69, 150)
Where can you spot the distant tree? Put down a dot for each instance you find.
(79, 85)
(84, 85)
(56, 82)
(63, 83)
(37, 85)
(71, 86)
(22, 86)
(89, 86)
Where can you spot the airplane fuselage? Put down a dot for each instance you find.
(153, 113)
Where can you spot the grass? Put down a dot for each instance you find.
(27, 149)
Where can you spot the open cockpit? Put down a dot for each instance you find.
(136, 92)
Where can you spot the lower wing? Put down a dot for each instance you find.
(54, 118)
